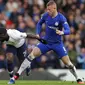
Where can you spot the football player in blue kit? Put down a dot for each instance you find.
(56, 26)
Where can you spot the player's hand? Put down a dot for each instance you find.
(38, 36)
(42, 41)
(59, 32)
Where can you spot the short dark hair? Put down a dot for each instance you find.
(51, 2)
(3, 30)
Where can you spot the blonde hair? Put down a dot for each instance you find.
(51, 2)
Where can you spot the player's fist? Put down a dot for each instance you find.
(59, 32)
(38, 36)
(43, 41)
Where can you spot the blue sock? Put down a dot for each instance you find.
(10, 66)
(28, 70)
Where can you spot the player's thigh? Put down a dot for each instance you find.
(60, 50)
(10, 52)
(22, 52)
(40, 49)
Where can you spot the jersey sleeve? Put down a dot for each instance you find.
(39, 24)
(65, 25)
(17, 35)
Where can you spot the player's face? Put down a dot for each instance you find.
(51, 10)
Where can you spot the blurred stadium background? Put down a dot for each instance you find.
(24, 15)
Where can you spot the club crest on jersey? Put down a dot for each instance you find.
(56, 23)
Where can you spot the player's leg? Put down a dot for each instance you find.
(26, 63)
(37, 51)
(10, 64)
(62, 54)
(21, 54)
(10, 51)
(71, 67)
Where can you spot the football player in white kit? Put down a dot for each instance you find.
(15, 41)
(13, 49)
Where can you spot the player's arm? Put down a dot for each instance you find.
(32, 36)
(27, 35)
(39, 24)
(65, 25)
(17, 35)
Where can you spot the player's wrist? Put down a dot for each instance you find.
(62, 33)
(38, 35)
(25, 34)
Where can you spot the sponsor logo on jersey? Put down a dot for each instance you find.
(65, 23)
(54, 28)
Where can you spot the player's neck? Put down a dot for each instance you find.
(55, 14)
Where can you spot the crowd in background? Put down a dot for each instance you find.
(23, 15)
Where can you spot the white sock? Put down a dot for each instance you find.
(13, 78)
(73, 71)
(11, 72)
(26, 63)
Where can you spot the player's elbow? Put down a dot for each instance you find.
(66, 29)
(67, 32)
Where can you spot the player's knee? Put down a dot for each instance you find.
(36, 52)
(9, 56)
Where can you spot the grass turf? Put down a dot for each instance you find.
(28, 82)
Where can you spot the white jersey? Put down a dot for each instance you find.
(16, 38)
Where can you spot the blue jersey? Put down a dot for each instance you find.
(58, 22)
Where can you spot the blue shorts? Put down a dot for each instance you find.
(20, 52)
(58, 48)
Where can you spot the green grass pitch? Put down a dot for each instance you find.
(28, 82)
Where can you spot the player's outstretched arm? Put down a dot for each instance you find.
(36, 37)
(32, 36)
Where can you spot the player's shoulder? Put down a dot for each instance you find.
(44, 14)
(10, 31)
(61, 15)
